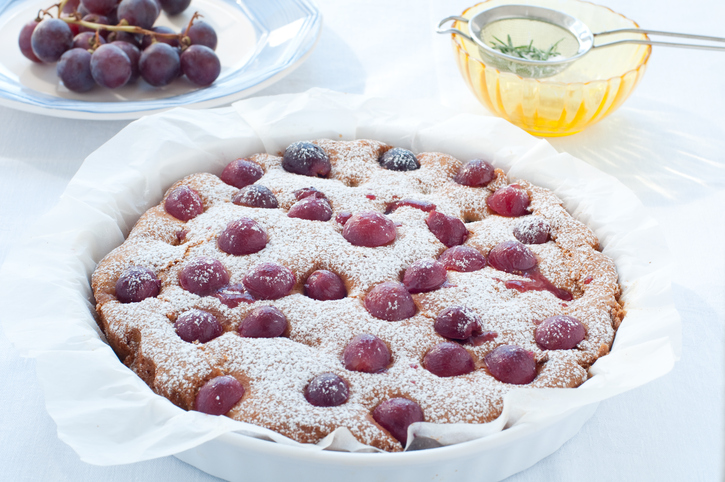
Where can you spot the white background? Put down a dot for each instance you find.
(667, 144)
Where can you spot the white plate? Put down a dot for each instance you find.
(260, 41)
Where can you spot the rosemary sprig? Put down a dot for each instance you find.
(528, 52)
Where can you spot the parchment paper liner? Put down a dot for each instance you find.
(109, 416)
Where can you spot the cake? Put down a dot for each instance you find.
(359, 285)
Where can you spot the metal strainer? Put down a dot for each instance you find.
(544, 27)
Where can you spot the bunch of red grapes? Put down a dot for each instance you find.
(114, 42)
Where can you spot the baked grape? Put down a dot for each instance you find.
(462, 258)
(159, 64)
(532, 230)
(366, 353)
(74, 70)
(399, 159)
(312, 209)
(183, 203)
(197, 325)
(396, 414)
(50, 39)
(424, 275)
(241, 173)
(219, 395)
(201, 33)
(24, 42)
(511, 257)
(136, 284)
(457, 323)
(449, 230)
(510, 201)
(324, 285)
(110, 66)
(142, 13)
(300, 194)
(203, 276)
(448, 359)
(327, 390)
(475, 173)
(422, 205)
(390, 301)
(255, 196)
(269, 281)
(559, 332)
(343, 217)
(243, 236)
(370, 229)
(306, 159)
(263, 322)
(233, 295)
(511, 364)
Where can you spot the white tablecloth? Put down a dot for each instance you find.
(667, 144)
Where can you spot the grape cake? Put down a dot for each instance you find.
(355, 284)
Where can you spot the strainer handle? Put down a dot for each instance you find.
(453, 30)
(664, 34)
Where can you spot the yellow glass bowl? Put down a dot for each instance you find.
(589, 90)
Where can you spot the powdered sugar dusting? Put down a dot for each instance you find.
(274, 372)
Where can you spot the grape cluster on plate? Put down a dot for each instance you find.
(112, 43)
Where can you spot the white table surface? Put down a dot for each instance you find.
(667, 144)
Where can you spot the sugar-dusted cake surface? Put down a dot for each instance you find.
(274, 372)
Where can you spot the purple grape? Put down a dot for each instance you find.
(183, 203)
(306, 159)
(325, 285)
(134, 55)
(200, 65)
(136, 284)
(243, 236)
(511, 257)
(560, 332)
(396, 414)
(399, 159)
(203, 276)
(424, 275)
(147, 40)
(201, 33)
(269, 281)
(510, 201)
(312, 209)
(74, 70)
(110, 66)
(142, 13)
(242, 172)
(511, 364)
(263, 322)
(370, 229)
(87, 40)
(94, 18)
(197, 325)
(462, 258)
(174, 7)
(390, 301)
(121, 36)
(101, 7)
(219, 395)
(50, 38)
(71, 6)
(457, 323)
(532, 230)
(255, 196)
(449, 230)
(475, 173)
(327, 390)
(448, 359)
(159, 64)
(366, 353)
(24, 40)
